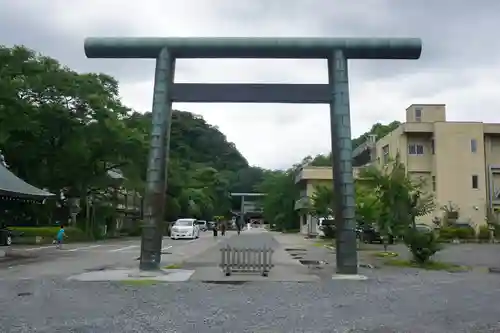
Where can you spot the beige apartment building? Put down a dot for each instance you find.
(459, 161)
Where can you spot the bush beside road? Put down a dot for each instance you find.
(45, 235)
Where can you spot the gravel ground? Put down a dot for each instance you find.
(406, 301)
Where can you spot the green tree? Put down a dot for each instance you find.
(368, 206)
(278, 204)
(322, 203)
(59, 129)
(65, 131)
(401, 198)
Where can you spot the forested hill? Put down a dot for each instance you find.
(194, 141)
(203, 166)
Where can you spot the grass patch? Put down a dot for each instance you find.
(384, 254)
(431, 265)
(323, 242)
(140, 282)
(173, 266)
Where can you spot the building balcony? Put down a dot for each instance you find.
(321, 173)
(311, 173)
(302, 203)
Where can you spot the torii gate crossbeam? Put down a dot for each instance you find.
(336, 51)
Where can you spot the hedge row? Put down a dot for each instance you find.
(483, 234)
(449, 233)
(48, 234)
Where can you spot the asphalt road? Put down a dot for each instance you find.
(41, 261)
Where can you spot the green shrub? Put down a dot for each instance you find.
(484, 233)
(49, 233)
(446, 233)
(449, 233)
(497, 231)
(422, 245)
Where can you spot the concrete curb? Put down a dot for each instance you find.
(123, 275)
(350, 277)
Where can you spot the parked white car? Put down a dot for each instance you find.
(185, 228)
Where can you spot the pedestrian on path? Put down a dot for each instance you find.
(223, 228)
(59, 238)
(214, 229)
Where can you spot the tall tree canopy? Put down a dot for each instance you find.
(64, 131)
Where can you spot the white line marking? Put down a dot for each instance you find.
(84, 248)
(166, 248)
(40, 248)
(124, 248)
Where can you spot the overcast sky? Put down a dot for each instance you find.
(460, 63)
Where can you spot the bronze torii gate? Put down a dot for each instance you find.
(336, 51)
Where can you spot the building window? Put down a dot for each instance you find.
(415, 149)
(475, 181)
(473, 145)
(385, 154)
(418, 115)
(432, 147)
(434, 183)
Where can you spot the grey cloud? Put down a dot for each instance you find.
(458, 40)
(37, 32)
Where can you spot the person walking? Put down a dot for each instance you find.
(238, 227)
(60, 237)
(214, 229)
(223, 228)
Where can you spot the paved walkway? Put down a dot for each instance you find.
(286, 268)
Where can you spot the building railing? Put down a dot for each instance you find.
(369, 143)
(246, 260)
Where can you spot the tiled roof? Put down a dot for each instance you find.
(13, 186)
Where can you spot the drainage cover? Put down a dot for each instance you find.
(24, 294)
(298, 257)
(295, 250)
(226, 282)
(310, 262)
(495, 270)
(98, 269)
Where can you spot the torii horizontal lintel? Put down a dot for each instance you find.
(253, 47)
(251, 93)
